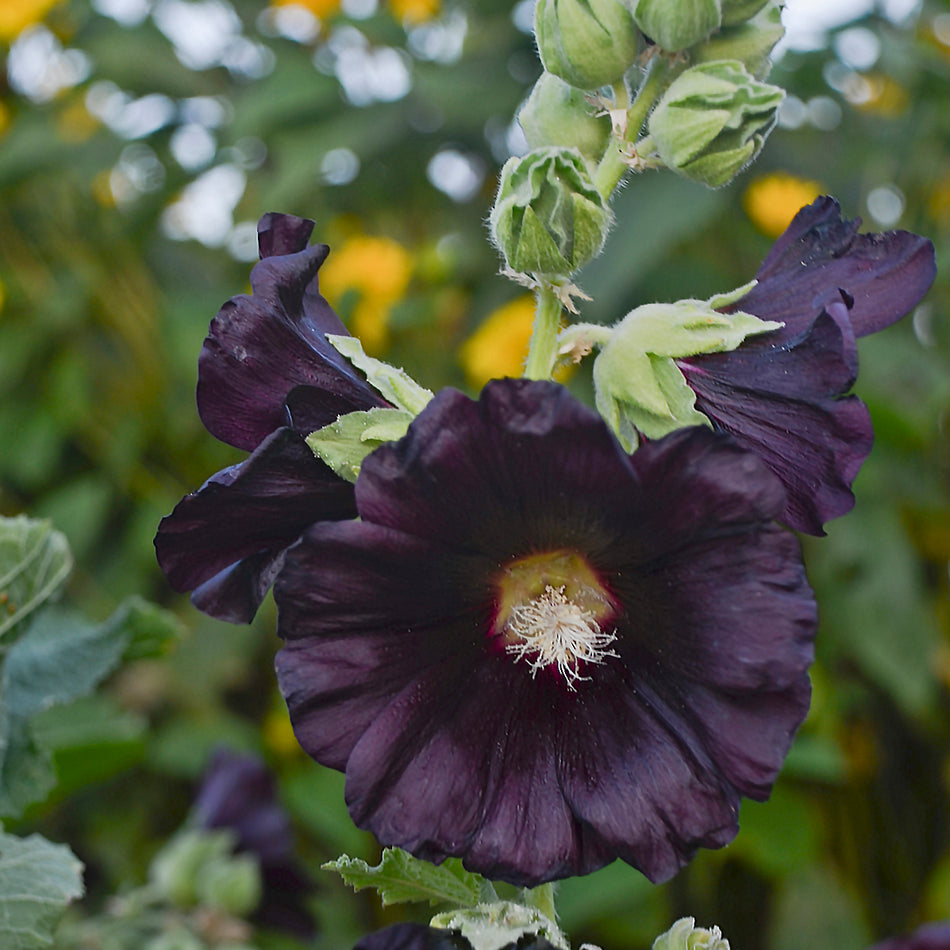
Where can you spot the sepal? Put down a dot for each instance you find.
(676, 25)
(342, 445)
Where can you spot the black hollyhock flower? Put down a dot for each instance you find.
(934, 936)
(538, 653)
(781, 394)
(267, 378)
(239, 793)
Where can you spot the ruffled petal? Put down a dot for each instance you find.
(260, 346)
(783, 403)
(821, 259)
(226, 540)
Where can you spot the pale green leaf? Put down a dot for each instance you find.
(34, 563)
(400, 878)
(392, 383)
(38, 880)
(343, 444)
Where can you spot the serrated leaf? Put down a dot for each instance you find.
(35, 561)
(392, 383)
(343, 444)
(400, 878)
(38, 880)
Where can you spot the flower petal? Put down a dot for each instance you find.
(261, 346)
(225, 539)
(782, 402)
(882, 276)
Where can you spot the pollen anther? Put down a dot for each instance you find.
(552, 630)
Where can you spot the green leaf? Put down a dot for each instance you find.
(34, 563)
(60, 658)
(345, 443)
(37, 881)
(400, 878)
(393, 384)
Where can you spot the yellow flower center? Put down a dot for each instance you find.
(555, 614)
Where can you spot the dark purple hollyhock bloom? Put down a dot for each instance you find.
(267, 378)
(935, 936)
(239, 793)
(538, 653)
(781, 394)
(421, 937)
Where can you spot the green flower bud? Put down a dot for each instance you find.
(713, 121)
(588, 43)
(738, 11)
(676, 24)
(751, 43)
(177, 868)
(557, 113)
(178, 939)
(685, 935)
(548, 219)
(231, 884)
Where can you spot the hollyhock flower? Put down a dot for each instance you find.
(933, 936)
(538, 653)
(267, 377)
(239, 793)
(781, 394)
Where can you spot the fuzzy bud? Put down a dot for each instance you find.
(750, 42)
(559, 114)
(713, 121)
(588, 43)
(685, 935)
(231, 884)
(676, 24)
(178, 867)
(548, 219)
(738, 11)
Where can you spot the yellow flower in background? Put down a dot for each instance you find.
(772, 200)
(885, 96)
(939, 201)
(17, 15)
(415, 11)
(322, 9)
(278, 734)
(499, 346)
(377, 270)
(5, 117)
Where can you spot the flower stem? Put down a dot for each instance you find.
(543, 351)
(613, 165)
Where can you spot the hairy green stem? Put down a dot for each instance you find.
(543, 351)
(613, 165)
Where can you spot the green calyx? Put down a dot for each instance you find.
(638, 386)
(738, 11)
(556, 113)
(750, 41)
(713, 120)
(587, 43)
(676, 25)
(685, 935)
(548, 219)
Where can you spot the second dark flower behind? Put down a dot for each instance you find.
(538, 653)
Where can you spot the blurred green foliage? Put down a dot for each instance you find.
(106, 299)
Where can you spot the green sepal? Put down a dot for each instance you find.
(685, 935)
(400, 878)
(391, 382)
(750, 42)
(638, 387)
(343, 444)
(500, 924)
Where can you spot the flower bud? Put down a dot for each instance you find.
(231, 884)
(713, 121)
(685, 935)
(738, 11)
(548, 219)
(676, 24)
(751, 43)
(177, 868)
(557, 113)
(588, 43)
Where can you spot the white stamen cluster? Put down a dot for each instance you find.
(552, 629)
